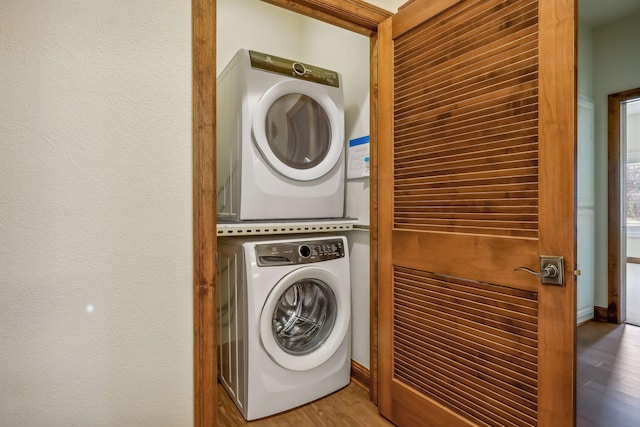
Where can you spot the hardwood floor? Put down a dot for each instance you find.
(608, 389)
(347, 407)
(608, 375)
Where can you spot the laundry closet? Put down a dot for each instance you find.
(260, 27)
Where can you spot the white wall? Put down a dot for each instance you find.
(95, 223)
(585, 210)
(585, 60)
(585, 176)
(616, 67)
(256, 25)
(320, 46)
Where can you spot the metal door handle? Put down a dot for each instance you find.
(551, 270)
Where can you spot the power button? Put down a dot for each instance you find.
(299, 69)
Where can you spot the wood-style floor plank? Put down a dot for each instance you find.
(608, 375)
(608, 389)
(347, 407)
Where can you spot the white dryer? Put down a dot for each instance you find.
(280, 140)
(284, 315)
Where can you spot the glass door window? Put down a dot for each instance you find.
(298, 131)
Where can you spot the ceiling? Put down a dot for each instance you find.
(599, 12)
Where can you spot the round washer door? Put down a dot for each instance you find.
(299, 130)
(305, 318)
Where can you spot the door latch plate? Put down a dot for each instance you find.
(555, 263)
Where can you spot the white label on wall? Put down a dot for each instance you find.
(358, 158)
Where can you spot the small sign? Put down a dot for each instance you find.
(358, 158)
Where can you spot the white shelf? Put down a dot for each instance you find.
(251, 228)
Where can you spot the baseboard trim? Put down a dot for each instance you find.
(584, 322)
(360, 375)
(585, 314)
(600, 314)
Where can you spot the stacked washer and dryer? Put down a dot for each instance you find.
(284, 304)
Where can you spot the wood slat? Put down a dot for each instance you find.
(483, 178)
(475, 86)
(438, 126)
(469, 107)
(524, 204)
(438, 360)
(496, 231)
(473, 153)
(481, 164)
(436, 79)
(485, 328)
(458, 308)
(435, 319)
(505, 138)
(449, 21)
(457, 69)
(462, 213)
(466, 381)
(435, 76)
(518, 376)
(516, 370)
(444, 222)
(466, 215)
(432, 84)
(471, 83)
(517, 81)
(502, 358)
(503, 188)
(440, 386)
(519, 303)
(462, 42)
(445, 197)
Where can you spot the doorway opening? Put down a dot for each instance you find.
(630, 137)
(624, 207)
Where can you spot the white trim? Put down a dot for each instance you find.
(633, 230)
(336, 122)
(331, 344)
(584, 314)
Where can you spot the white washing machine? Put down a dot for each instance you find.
(284, 315)
(280, 140)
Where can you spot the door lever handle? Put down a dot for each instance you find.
(551, 270)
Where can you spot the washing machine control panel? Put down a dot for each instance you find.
(303, 252)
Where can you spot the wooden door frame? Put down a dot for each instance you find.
(614, 171)
(354, 15)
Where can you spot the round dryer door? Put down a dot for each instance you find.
(305, 318)
(299, 130)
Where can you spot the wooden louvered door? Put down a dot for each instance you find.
(476, 166)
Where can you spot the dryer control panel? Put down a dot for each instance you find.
(303, 252)
(294, 69)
